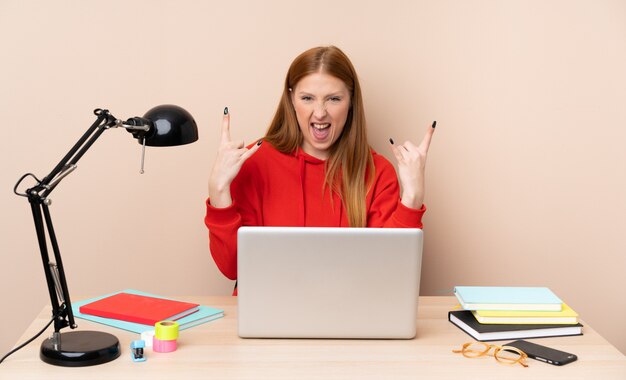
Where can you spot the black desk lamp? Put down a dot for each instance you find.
(165, 125)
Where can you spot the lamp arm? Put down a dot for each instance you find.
(102, 115)
(38, 199)
(55, 275)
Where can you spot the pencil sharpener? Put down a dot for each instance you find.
(136, 350)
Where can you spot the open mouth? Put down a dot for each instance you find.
(320, 131)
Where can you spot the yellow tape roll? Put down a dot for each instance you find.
(166, 330)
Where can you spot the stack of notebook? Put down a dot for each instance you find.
(137, 311)
(498, 313)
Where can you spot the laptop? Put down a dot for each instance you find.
(318, 282)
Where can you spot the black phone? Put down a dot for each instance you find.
(543, 353)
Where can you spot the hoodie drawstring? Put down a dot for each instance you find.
(301, 216)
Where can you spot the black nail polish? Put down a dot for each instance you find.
(225, 110)
(391, 141)
(259, 142)
(434, 123)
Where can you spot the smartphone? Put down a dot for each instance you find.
(543, 353)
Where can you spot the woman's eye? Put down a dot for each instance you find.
(306, 98)
(335, 99)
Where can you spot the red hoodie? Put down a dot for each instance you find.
(277, 189)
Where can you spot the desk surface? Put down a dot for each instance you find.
(213, 351)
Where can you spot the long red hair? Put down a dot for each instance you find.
(350, 167)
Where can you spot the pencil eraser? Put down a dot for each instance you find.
(147, 337)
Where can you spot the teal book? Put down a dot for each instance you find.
(507, 298)
(203, 315)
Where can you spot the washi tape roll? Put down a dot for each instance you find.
(159, 345)
(166, 330)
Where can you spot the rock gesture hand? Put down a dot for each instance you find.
(411, 162)
(230, 157)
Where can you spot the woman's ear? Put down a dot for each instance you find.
(291, 95)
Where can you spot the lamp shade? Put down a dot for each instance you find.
(171, 125)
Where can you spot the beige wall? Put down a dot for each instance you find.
(526, 176)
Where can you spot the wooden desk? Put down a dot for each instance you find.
(213, 351)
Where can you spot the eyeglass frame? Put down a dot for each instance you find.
(521, 360)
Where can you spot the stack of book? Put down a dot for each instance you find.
(138, 312)
(498, 313)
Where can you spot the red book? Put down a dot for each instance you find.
(139, 309)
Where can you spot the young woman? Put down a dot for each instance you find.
(314, 167)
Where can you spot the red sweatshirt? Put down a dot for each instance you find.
(277, 189)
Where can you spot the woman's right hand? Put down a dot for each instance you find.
(230, 157)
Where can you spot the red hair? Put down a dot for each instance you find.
(350, 167)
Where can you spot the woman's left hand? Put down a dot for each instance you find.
(411, 162)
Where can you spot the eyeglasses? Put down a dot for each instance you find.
(504, 354)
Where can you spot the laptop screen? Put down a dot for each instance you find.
(316, 282)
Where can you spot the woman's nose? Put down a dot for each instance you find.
(320, 110)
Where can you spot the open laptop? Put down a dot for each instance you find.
(318, 282)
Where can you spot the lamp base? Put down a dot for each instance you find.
(80, 349)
